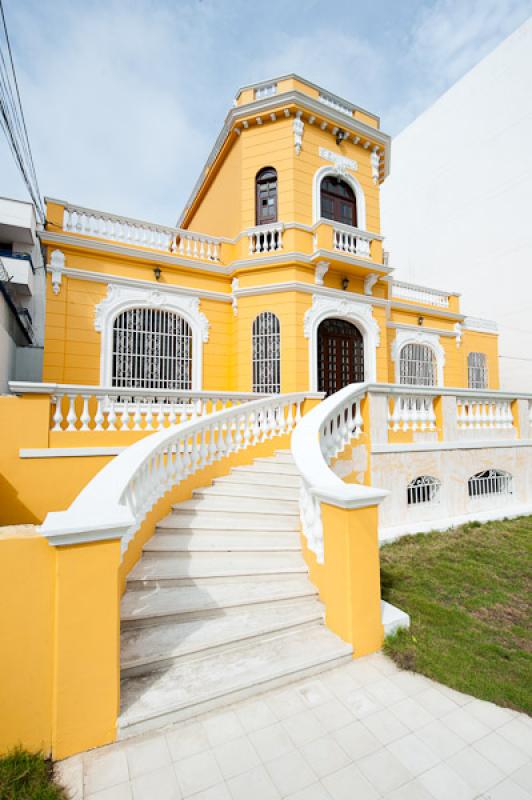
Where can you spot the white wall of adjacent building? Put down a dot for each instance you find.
(457, 207)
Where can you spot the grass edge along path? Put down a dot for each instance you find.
(28, 776)
(468, 593)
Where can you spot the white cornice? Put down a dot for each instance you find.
(474, 444)
(71, 240)
(308, 288)
(405, 327)
(433, 311)
(480, 325)
(335, 255)
(262, 260)
(120, 280)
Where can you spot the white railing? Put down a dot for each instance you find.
(410, 291)
(95, 408)
(332, 102)
(321, 435)
(268, 90)
(489, 483)
(482, 413)
(351, 240)
(115, 502)
(411, 412)
(90, 222)
(265, 238)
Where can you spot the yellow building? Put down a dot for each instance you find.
(233, 413)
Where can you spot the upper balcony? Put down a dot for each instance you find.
(85, 227)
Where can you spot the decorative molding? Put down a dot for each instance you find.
(56, 267)
(360, 314)
(375, 164)
(309, 288)
(321, 269)
(458, 329)
(341, 163)
(119, 298)
(432, 340)
(298, 127)
(369, 283)
(339, 168)
(234, 288)
(408, 327)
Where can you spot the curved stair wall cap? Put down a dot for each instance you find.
(103, 509)
(319, 482)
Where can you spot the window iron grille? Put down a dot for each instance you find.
(424, 489)
(152, 349)
(490, 482)
(477, 371)
(266, 353)
(417, 365)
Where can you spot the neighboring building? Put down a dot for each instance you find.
(456, 209)
(22, 286)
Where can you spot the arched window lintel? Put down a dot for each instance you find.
(331, 170)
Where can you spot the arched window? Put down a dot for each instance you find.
(490, 482)
(152, 349)
(417, 365)
(424, 489)
(338, 201)
(266, 353)
(266, 196)
(477, 371)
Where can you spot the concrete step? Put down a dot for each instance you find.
(194, 686)
(158, 570)
(242, 489)
(258, 478)
(191, 519)
(270, 465)
(280, 457)
(168, 541)
(239, 505)
(183, 603)
(144, 650)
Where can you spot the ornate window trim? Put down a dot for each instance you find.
(360, 314)
(120, 298)
(338, 171)
(432, 340)
(266, 340)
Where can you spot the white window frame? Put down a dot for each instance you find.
(432, 340)
(478, 369)
(122, 297)
(324, 172)
(273, 387)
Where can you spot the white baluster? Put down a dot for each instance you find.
(58, 413)
(72, 417)
(85, 416)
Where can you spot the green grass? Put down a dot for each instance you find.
(468, 594)
(28, 776)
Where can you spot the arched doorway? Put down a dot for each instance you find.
(340, 355)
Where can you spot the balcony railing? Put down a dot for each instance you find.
(351, 240)
(265, 238)
(125, 230)
(421, 294)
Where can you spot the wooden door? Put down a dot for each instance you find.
(340, 355)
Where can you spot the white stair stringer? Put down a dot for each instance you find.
(220, 606)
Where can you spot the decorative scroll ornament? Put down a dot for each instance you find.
(121, 297)
(375, 164)
(458, 329)
(369, 283)
(234, 287)
(321, 269)
(56, 267)
(345, 309)
(298, 127)
(341, 163)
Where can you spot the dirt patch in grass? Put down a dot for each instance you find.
(28, 776)
(468, 594)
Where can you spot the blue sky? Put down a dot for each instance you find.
(124, 98)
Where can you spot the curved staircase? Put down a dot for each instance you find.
(220, 605)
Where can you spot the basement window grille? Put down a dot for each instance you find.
(424, 489)
(417, 365)
(266, 353)
(152, 349)
(477, 371)
(490, 482)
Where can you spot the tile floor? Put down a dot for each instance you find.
(363, 731)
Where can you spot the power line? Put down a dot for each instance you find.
(13, 122)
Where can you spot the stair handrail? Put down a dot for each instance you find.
(115, 502)
(320, 436)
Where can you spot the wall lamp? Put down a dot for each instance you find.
(157, 273)
(340, 136)
(345, 283)
(420, 320)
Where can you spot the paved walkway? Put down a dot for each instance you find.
(363, 731)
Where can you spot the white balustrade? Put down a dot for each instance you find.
(321, 435)
(351, 240)
(265, 238)
(115, 502)
(411, 412)
(410, 291)
(483, 413)
(90, 222)
(333, 102)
